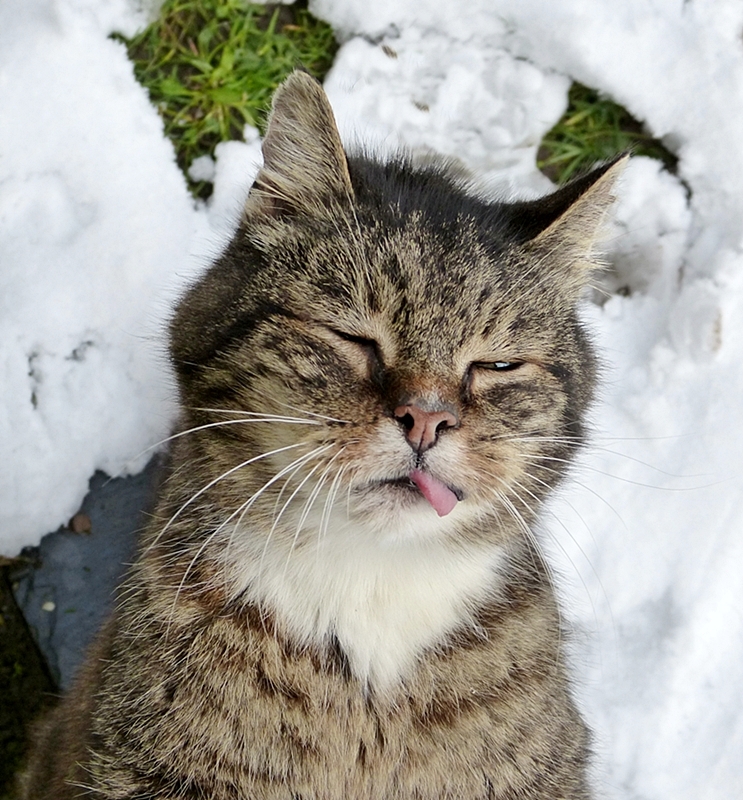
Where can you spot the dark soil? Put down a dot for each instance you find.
(26, 687)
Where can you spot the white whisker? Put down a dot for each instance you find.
(277, 518)
(314, 414)
(308, 507)
(242, 510)
(262, 414)
(215, 481)
(219, 424)
(327, 508)
(531, 538)
(564, 551)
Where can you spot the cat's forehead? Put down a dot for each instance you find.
(416, 282)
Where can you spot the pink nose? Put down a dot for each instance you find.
(422, 427)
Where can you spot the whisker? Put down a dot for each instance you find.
(313, 413)
(535, 547)
(327, 508)
(348, 500)
(215, 481)
(565, 552)
(242, 510)
(592, 446)
(308, 507)
(225, 422)
(583, 486)
(245, 507)
(285, 486)
(535, 456)
(264, 414)
(255, 418)
(276, 520)
(186, 573)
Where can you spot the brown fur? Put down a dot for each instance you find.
(350, 287)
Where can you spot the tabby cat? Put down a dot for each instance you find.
(341, 596)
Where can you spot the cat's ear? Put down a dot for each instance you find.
(304, 166)
(564, 226)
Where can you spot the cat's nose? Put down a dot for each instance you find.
(422, 427)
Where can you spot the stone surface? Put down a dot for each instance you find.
(68, 584)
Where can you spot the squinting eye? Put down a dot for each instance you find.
(360, 340)
(367, 346)
(499, 366)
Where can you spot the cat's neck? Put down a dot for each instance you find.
(385, 596)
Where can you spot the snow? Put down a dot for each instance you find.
(98, 235)
(94, 223)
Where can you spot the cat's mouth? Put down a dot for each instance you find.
(442, 497)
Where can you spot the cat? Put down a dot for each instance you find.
(341, 596)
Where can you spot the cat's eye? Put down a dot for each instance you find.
(359, 340)
(373, 364)
(499, 366)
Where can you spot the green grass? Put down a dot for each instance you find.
(594, 129)
(211, 67)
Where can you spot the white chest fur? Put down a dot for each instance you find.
(385, 595)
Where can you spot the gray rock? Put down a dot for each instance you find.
(68, 586)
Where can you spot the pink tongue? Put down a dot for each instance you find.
(439, 496)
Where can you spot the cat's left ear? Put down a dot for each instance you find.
(564, 227)
(304, 166)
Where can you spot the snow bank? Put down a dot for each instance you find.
(95, 224)
(98, 233)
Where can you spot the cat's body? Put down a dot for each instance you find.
(341, 596)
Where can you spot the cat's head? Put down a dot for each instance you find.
(397, 345)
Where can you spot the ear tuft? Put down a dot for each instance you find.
(304, 166)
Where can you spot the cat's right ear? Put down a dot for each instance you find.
(561, 229)
(304, 166)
